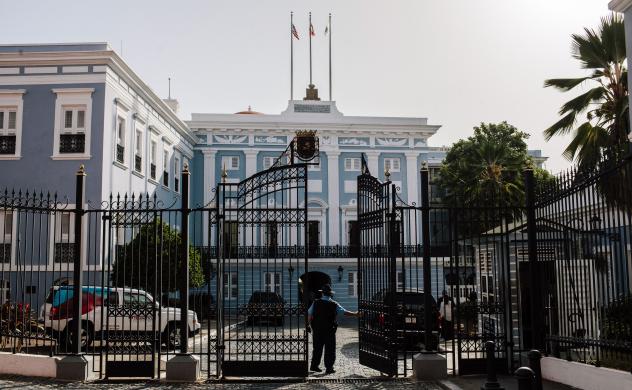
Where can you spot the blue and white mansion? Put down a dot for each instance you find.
(63, 105)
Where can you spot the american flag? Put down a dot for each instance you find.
(294, 32)
(311, 30)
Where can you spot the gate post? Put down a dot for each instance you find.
(532, 246)
(184, 366)
(428, 364)
(427, 268)
(75, 367)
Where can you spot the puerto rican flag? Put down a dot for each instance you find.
(294, 32)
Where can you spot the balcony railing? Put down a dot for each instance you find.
(138, 163)
(120, 153)
(319, 251)
(64, 252)
(7, 144)
(72, 143)
(5, 253)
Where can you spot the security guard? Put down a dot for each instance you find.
(322, 317)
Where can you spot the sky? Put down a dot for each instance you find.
(456, 62)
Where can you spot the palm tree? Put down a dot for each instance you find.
(598, 117)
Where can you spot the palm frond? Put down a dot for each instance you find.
(581, 102)
(561, 127)
(565, 84)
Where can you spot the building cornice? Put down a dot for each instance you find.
(620, 5)
(99, 57)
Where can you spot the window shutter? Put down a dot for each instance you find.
(1, 120)
(396, 164)
(347, 164)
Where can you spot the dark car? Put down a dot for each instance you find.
(408, 319)
(265, 307)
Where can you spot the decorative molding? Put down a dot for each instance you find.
(391, 141)
(72, 90)
(9, 71)
(75, 69)
(353, 141)
(12, 91)
(40, 69)
(230, 139)
(270, 139)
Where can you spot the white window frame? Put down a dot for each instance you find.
(352, 164)
(166, 156)
(12, 100)
(176, 174)
(153, 158)
(121, 126)
(268, 161)
(276, 284)
(75, 99)
(8, 237)
(390, 162)
(228, 162)
(139, 151)
(352, 280)
(231, 290)
(54, 238)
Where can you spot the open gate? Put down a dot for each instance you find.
(377, 270)
(433, 278)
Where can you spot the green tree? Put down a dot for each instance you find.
(155, 251)
(599, 117)
(487, 168)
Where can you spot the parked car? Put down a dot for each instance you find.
(200, 301)
(409, 317)
(267, 307)
(102, 310)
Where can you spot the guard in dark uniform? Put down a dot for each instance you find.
(322, 317)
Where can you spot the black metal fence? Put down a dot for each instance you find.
(550, 270)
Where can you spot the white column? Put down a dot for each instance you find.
(251, 162)
(334, 197)
(209, 184)
(372, 161)
(412, 177)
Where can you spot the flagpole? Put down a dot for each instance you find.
(330, 98)
(291, 57)
(310, 48)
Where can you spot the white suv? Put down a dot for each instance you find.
(112, 309)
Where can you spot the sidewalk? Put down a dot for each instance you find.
(474, 382)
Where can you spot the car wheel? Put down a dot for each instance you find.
(86, 336)
(173, 336)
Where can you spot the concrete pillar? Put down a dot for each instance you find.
(251, 162)
(209, 184)
(412, 175)
(372, 161)
(334, 197)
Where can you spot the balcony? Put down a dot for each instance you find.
(138, 163)
(5, 253)
(72, 143)
(7, 144)
(120, 154)
(319, 251)
(64, 252)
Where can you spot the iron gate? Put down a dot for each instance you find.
(434, 278)
(377, 270)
